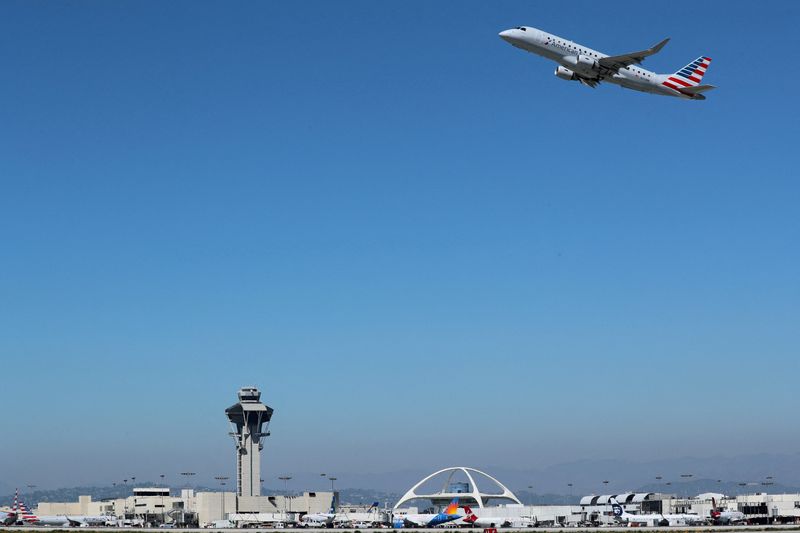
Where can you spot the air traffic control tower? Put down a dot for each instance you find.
(249, 421)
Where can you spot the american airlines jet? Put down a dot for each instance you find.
(590, 67)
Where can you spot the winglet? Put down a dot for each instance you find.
(657, 48)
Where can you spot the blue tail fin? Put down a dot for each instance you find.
(617, 508)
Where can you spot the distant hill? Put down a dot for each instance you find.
(549, 484)
(729, 488)
(70, 494)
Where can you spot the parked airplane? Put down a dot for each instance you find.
(725, 516)
(320, 519)
(590, 67)
(494, 521)
(27, 517)
(654, 519)
(430, 520)
(8, 519)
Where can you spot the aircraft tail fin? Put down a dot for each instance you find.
(692, 74)
(452, 508)
(470, 518)
(25, 513)
(714, 511)
(617, 508)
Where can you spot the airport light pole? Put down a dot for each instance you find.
(570, 492)
(125, 482)
(687, 477)
(285, 480)
(222, 480)
(163, 513)
(187, 476)
(530, 495)
(133, 487)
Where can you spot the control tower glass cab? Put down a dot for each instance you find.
(249, 423)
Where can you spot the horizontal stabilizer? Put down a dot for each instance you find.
(697, 89)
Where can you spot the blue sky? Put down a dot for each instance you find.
(412, 236)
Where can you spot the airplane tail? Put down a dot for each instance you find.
(25, 513)
(470, 518)
(452, 508)
(714, 511)
(691, 75)
(617, 508)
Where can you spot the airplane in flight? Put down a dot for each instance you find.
(590, 67)
(656, 519)
(430, 520)
(725, 516)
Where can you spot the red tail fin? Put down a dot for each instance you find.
(470, 518)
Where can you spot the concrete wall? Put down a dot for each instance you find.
(213, 506)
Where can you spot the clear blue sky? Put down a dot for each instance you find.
(393, 223)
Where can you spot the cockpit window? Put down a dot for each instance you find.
(522, 28)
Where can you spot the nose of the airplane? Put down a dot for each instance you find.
(506, 35)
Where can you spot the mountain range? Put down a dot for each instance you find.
(682, 476)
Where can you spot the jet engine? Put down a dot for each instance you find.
(565, 74)
(582, 64)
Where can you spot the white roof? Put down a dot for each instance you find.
(625, 497)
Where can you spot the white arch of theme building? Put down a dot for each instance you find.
(479, 497)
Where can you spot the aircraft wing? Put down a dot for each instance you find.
(625, 60)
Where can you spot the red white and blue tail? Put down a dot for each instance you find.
(25, 514)
(689, 76)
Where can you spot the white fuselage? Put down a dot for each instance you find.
(70, 520)
(318, 519)
(564, 52)
(656, 519)
(729, 517)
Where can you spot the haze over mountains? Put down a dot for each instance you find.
(729, 475)
(587, 475)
